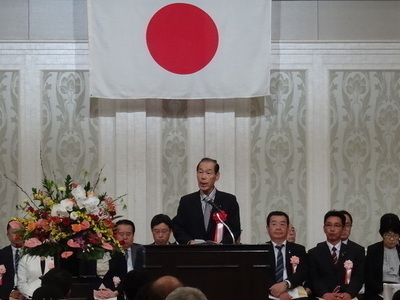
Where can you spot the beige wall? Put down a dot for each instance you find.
(327, 137)
(322, 20)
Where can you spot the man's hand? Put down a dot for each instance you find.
(285, 296)
(15, 294)
(104, 294)
(278, 288)
(332, 296)
(345, 296)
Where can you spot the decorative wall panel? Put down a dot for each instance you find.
(365, 140)
(327, 137)
(69, 143)
(9, 143)
(278, 156)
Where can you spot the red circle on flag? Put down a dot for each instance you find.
(182, 38)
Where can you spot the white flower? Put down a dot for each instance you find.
(59, 210)
(91, 205)
(73, 215)
(79, 193)
(68, 204)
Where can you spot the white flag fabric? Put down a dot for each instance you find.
(188, 50)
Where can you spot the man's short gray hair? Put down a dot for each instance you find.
(186, 293)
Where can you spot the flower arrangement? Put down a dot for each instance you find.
(67, 220)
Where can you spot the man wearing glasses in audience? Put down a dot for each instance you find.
(336, 269)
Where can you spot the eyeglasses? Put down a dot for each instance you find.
(335, 225)
(163, 231)
(390, 236)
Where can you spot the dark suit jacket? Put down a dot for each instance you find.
(137, 256)
(291, 249)
(6, 259)
(188, 224)
(373, 270)
(325, 276)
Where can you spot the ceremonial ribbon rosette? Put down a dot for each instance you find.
(294, 260)
(219, 217)
(67, 220)
(348, 265)
(116, 281)
(2, 272)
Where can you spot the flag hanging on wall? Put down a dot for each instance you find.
(196, 49)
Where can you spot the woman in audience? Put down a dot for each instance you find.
(383, 258)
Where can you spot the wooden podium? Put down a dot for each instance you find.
(234, 272)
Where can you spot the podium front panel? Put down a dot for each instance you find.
(220, 271)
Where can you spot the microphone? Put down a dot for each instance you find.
(212, 203)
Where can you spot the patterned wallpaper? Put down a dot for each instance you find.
(278, 156)
(9, 143)
(150, 148)
(70, 138)
(365, 146)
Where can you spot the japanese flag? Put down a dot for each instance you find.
(188, 50)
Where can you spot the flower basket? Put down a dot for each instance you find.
(68, 220)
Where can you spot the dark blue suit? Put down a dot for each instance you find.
(188, 224)
(7, 259)
(291, 249)
(325, 276)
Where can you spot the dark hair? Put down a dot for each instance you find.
(206, 159)
(335, 213)
(56, 280)
(159, 219)
(277, 213)
(396, 295)
(126, 222)
(389, 222)
(345, 212)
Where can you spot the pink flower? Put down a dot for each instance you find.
(32, 242)
(73, 244)
(66, 254)
(116, 280)
(15, 225)
(348, 264)
(294, 260)
(107, 246)
(85, 224)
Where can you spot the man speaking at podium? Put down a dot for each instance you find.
(207, 215)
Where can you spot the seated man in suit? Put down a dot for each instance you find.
(288, 260)
(336, 270)
(119, 265)
(9, 258)
(196, 217)
(161, 229)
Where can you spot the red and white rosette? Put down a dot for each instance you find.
(219, 217)
(2, 272)
(348, 265)
(294, 260)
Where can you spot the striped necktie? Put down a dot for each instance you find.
(334, 256)
(16, 260)
(279, 264)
